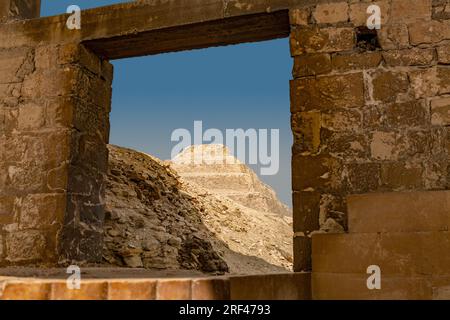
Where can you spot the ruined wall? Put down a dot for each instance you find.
(369, 113)
(53, 130)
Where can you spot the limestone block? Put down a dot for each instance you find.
(312, 39)
(388, 145)
(306, 128)
(440, 111)
(409, 57)
(25, 246)
(355, 61)
(316, 173)
(132, 290)
(388, 85)
(393, 36)
(401, 176)
(7, 209)
(444, 54)
(396, 253)
(430, 32)
(15, 64)
(310, 65)
(306, 211)
(331, 12)
(363, 177)
(399, 212)
(403, 11)
(327, 92)
(299, 17)
(342, 119)
(39, 211)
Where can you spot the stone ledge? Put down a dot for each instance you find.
(286, 286)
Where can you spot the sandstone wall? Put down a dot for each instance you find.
(53, 133)
(370, 112)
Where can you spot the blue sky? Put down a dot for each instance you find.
(243, 86)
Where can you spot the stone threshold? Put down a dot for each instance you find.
(283, 286)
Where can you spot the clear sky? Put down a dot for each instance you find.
(243, 86)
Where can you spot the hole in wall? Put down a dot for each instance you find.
(367, 39)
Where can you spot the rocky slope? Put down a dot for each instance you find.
(158, 220)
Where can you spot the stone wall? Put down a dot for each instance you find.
(53, 128)
(370, 112)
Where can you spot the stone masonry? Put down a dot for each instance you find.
(370, 110)
(54, 127)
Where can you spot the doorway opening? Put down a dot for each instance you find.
(231, 211)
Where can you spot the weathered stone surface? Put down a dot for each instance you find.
(312, 39)
(15, 65)
(393, 36)
(363, 177)
(310, 65)
(132, 290)
(25, 246)
(388, 85)
(331, 12)
(316, 173)
(402, 11)
(89, 290)
(440, 111)
(409, 57)
(444, 54)
(306, 129)
(396, 253)
(299, 16)
(211, 289)
(430, 82)
(387, 145)
(327, 92)
(441, 9)
(307, 211)
(401, 176)
(356, 61)
(353, 286)
(345, 145)
(406, 115)
(405, 211)
(430, 32)
(39, 211)
(19, 9)
(341, 120)
(17, 290)
(7, 212)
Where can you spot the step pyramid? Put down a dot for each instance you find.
(405, 234)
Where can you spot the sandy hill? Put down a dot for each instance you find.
(159, 219)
